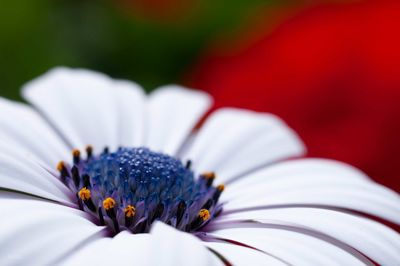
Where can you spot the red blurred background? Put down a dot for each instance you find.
(331, 71)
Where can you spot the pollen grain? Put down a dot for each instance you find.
(221, 187)
(84, 194)
(61, 166)
(204, 214)
(108, 203)
(129, 211)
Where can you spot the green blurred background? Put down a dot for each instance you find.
(152, 42)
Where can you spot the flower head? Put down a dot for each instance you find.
(113, 185)
(146, 184)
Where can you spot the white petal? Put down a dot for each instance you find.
(20, 173)
(163, 246)
(96, 252)
(131, 103)
(80, 103)
(23, 128)
(40, 233)
(173, 247)
(294, 169)
(377, 241)
(233, 142)
(123, 249)
(238, 255)
(316, 182)
(292, 247)
(173, 112)
(130, 248)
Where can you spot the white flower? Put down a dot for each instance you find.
(272, 212)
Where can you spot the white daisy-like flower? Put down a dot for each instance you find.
(148, 184)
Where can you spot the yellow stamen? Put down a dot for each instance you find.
(89, 148)
(221, 187)
(208, 175)
(76, 153)
(108, 203)
(60, 166)
(130, 211)
(204, 214)
(84, 194)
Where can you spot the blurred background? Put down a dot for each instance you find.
(330, 69)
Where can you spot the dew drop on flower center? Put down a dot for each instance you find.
(131, 188)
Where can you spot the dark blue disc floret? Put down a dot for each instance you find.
(131, 188)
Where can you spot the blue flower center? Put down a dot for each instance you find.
(131, 188)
